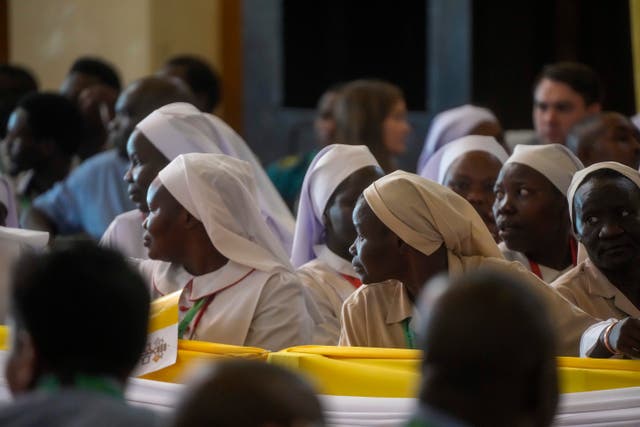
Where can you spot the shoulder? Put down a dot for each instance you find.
(130, 217)
(313, 270)
(105, 160)
(279, 278)
(510, 255)
(68, 407)
(372, 295)
(573, 278)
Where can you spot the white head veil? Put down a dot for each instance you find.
(180, 128)
(450, 125)
(426, 215)
(438, 165)
(332, 165)
(219, 191)
(556, 162)
(173, 130)
(8, 199)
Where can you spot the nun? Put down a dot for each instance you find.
(469, 166)
(180, 128)
(324, 230)
(531, 210)
(455, 123)
(207, 238)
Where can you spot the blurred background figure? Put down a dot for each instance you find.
(43, 133)
(201, 78)
(455, 123)
(93, 85)
(564, 93)
(15, 82)
(469, 376)
(373, 113)
(95, 193)
(606, 136)
(244, 393)
(288, 173)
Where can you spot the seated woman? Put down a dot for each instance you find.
(455, 123)
(324, 230)
(469, 166)
(531, 209)
(174, 129)
(373, 113)
(207, 238)
(604, 201)
(410, 230)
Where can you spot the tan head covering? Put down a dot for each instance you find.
(220, 191)
(580, 176)
(556, 162)
(425, 215)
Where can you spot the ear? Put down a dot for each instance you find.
(22, 364)
(188, 220)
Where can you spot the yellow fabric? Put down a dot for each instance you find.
(355, 371)
(164, 311)
(377, 372)
(193, 354)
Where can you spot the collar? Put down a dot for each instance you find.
(599, 285)
(210, 283)
(400, 306)
(169, 277)
(334, 261)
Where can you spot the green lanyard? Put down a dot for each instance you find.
(182, 326)
(408, 333)
(102, 385)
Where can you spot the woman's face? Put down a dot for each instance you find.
(163, 236)
(473, 176)
(528, 208)
(396, 128)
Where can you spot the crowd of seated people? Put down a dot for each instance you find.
(115, 196)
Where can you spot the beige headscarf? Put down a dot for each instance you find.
(425, 215)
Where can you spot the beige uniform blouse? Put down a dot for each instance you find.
(248, 307)
(373, 315)
(589, 289)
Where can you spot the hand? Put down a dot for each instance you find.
(625, 337)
